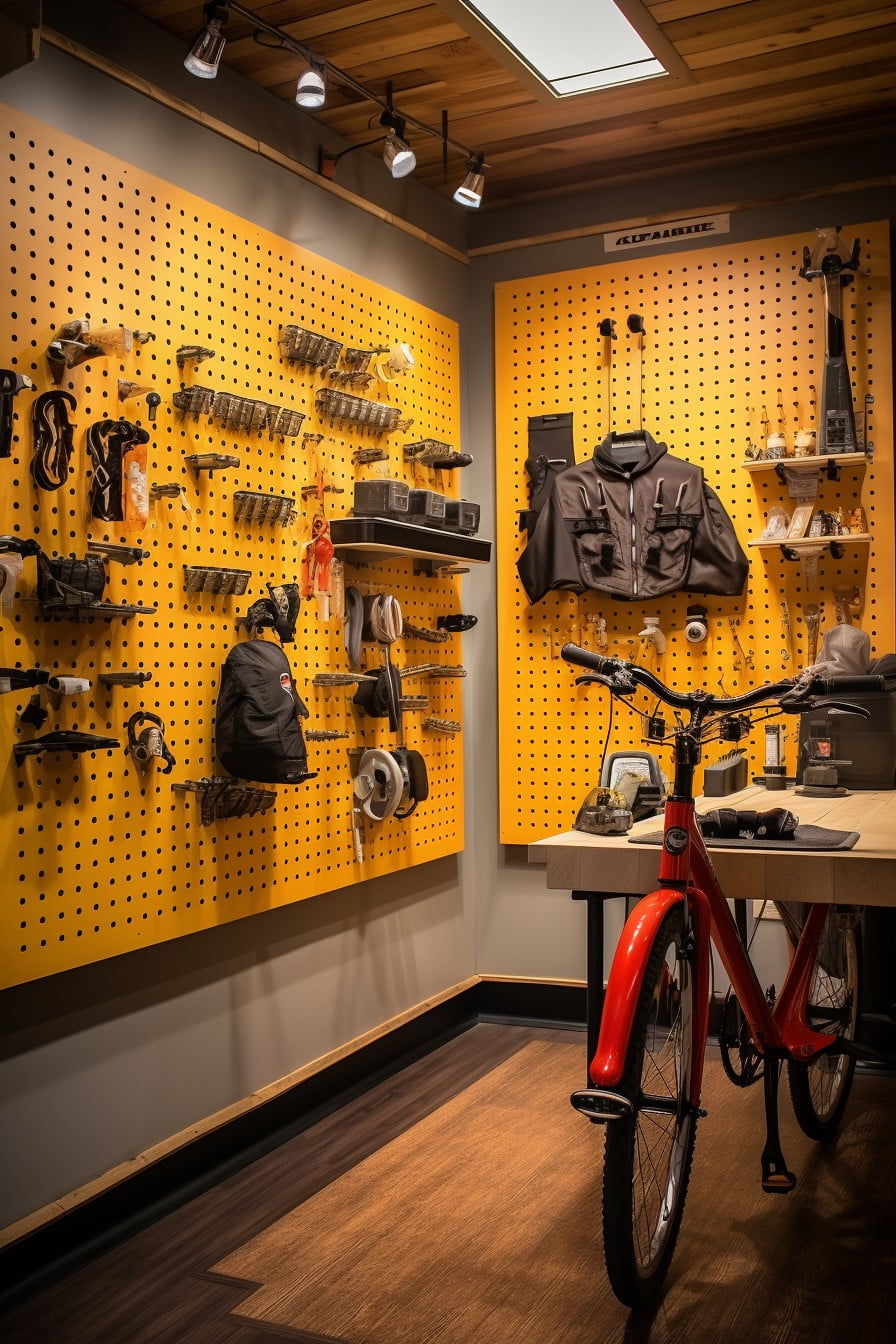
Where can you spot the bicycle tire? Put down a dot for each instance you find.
(819, 1089)
(642, 1210)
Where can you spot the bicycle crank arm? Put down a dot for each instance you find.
(599, 1105)
(844, 1046)
(776, 1178)
(667, 1106)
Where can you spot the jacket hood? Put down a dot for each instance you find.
(629, 454)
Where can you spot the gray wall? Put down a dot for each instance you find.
(100, 1063)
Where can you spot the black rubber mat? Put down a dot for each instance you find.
(804, 837)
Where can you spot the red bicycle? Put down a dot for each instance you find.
(647, 1070)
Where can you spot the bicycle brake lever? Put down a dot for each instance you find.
(620, 685)
(804, 706)
(846, 708)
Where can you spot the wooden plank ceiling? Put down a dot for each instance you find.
(767, 76)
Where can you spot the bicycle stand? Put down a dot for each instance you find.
(776, 1179)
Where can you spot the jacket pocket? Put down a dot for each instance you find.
(667, 543)
(597, 548)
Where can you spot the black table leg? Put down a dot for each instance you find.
(594, 961)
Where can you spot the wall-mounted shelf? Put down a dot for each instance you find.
(829, 464)
(811, 548)
(815, 543)
(371, 538)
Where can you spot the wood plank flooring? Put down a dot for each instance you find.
(811, 1268)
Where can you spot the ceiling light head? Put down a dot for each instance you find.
(469, 193)
(204, 57)
(398, 156)
(311, 89)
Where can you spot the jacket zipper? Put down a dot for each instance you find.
(631, 514)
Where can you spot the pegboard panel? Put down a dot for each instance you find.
(733, 350)
(101, 859)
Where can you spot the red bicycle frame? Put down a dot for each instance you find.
(687, 875)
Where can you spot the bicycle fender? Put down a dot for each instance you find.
(624, 985)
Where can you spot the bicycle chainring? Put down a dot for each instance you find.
(741, 1061)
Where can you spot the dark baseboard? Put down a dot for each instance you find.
(48, 1253)
(524, 1002)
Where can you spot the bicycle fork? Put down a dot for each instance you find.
(604, 1100)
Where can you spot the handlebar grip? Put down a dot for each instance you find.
(594, 662)
(851, 685)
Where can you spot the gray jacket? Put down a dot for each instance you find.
(634, 522)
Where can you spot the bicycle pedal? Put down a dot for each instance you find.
(778, 1182)
(599, 1105)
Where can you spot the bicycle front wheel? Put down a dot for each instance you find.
(648, 1153)
(820, 1089)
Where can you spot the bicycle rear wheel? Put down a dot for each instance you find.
(648, 1154)
(820, 1089)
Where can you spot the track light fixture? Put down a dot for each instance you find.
(398, 156)
(311, 89)
(469, 193)
(315, 72)
(204, 57)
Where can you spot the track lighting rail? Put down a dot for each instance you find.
(209, 45)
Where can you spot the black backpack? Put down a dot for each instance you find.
(257, 733)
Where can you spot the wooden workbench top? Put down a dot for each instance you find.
(864, 875)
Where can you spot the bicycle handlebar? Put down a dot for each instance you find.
(622, 678)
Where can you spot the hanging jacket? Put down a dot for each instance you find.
(634, 522)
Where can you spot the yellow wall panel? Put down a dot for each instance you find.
(100, 860)
(734, 337)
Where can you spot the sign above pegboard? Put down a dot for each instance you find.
(651, 235)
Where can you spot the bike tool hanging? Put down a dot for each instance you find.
(108, 441)
(146, 742)
(11, 383)
(321, 572)
(607, 329)
(52, 439)
(635, 324)
(830, 262)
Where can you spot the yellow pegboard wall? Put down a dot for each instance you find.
(733, 337)
(103, 860)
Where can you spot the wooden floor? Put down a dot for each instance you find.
(816, 1267)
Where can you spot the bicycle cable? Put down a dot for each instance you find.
(603, 755)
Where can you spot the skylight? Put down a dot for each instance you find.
(571, 46)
